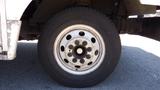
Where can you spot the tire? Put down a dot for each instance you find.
(93, 24)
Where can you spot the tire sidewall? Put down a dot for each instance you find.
(62, 21)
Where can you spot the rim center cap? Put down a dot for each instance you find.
(79, 50)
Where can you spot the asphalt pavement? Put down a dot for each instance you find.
(138, 69)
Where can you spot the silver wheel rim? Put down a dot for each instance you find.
(79, 49)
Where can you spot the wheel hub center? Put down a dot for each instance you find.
(79, 51)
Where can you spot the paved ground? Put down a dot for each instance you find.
(137, 70)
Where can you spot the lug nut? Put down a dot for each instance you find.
(77, 42)
(82, 61)
(70, 54)
(89, 49)
(74, 60)
(88, 56)
(84, 43)
(70, 46)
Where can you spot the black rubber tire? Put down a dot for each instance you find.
(79, 15)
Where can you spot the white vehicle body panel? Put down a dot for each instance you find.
(15, 8)
(11, 12)
(151, 2)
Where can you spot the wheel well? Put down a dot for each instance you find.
(39, 11)
(28, 13)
